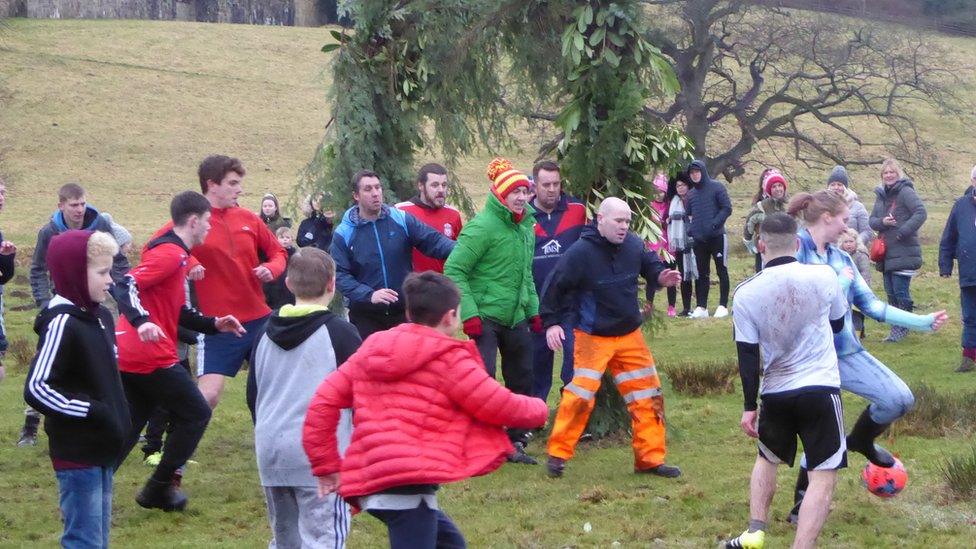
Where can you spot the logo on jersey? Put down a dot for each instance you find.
(448, 230)
(552, 247)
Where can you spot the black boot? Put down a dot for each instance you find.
(800, 490)
(862, 437)
(28, 435)
(161, 495)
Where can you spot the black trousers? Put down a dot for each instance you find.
(679, 259)
(174, 390)
(368, 322)
(515, 346)
(159, 424)
(712, 249)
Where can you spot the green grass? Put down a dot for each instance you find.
(137, 104)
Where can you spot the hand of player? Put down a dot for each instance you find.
(939, 320)
(889, 221)
(196, 273)
(385, 296)
(555, 337)
(7, 248)
(748, 423)
(263, 273)
(647, 310)
(149, 332)
(669, 277)
(229, 324)
(328, 484)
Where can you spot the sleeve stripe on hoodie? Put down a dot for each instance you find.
(42, 370)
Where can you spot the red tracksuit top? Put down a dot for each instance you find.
(229, 254)
(446, 221)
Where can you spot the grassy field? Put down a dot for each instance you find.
(129, 108)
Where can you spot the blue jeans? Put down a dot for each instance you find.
(542, 360)
(967, 297)
(86, 506)
(866, 376)
(420, 528)
(897, 288)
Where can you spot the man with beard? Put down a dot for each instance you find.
(429, 207)
(372, 249)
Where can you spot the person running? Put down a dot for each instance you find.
(316, 229)
(228, 272)
(73, 212)
(370, 268)
(430, 207)
(559, 221)
(301, 346)
(152, 300)
(679, 243)
(708, 208)
(788, 314)
(74, 381)
(594, 288)
(773, 200)
(8, 253)
(825, 216)
(958, 243)
(423, 418)
(493, 267)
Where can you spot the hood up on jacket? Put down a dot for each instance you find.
(424, 344)
(699, 165)
(67, 261)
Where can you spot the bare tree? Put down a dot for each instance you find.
(834, 90)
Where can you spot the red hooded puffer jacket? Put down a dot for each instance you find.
(424, 412)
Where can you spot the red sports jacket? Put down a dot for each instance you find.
(446, 221)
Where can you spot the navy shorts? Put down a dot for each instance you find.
(225, 353)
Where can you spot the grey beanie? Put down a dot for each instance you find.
(121, 234)
(838, 174)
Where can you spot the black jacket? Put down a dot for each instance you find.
(7, 267)
(594, 285)
(74, 381)
(315, 230)
(276, 293)
(902, 250)
(708, 206)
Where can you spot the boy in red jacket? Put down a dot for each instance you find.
(423, 418)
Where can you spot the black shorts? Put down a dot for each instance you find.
(817, 417)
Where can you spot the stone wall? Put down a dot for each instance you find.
(260, 12)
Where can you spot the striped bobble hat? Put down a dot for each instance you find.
(505, 178)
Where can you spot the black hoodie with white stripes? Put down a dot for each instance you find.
(74, 381)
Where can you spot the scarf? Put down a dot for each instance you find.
(678, 240)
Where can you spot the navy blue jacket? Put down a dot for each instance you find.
(959, 240)
(594, 285)
(315, 230)
(371, 255)
(708, 206)
(554, 233)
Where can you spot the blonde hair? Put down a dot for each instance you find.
(101, 244)
(893, 164)
(852, 234)
(281, 231)
(810, 206)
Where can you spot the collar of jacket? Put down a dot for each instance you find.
(355, 219)
(561, 205)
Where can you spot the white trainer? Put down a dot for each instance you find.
(721, 312)
(699, 312)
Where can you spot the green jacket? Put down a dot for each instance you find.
(492, 265)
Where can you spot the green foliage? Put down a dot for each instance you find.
(959, 473)
(703, 378)
(937, 413)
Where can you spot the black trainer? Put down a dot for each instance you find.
(519, 456)
(28, 434)
(666, 471)
(161, 495)
(555, 467)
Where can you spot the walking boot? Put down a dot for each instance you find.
(163, 495)
(28, 434)
(967, 365)
(861, 440)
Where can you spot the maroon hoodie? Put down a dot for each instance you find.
(67, 261)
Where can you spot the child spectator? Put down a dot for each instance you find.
(276, 293)
(660, 205)
(423, 418)
(271, 213)
(7, 252)
(302, 345)
(74, 382)
(851, 243)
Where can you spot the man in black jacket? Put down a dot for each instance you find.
(7, 252)
(594, 287)
(709, 206)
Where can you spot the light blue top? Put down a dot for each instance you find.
(859, 295)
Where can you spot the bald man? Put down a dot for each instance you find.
(594, 287)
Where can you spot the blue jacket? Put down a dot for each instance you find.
(858, 294)
(371, 255)
(594, 285)
(959, 240)
(554, 233)
(708, 206)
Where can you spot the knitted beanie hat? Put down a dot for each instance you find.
(121, 234)
(838, 174)
(661, 182)
(505, 178)
(773, 177)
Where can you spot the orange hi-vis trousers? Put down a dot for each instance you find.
(633, 371)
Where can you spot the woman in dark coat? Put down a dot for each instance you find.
(897, 215)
